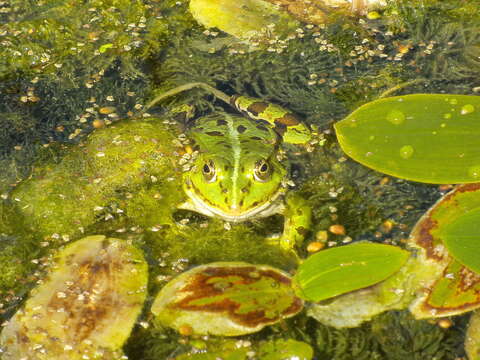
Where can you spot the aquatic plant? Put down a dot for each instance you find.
(416, 137)
(86, 307)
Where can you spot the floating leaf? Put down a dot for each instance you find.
(228, 349)
(454, 221)
(428, 138)
(339, 270)
(226, 298)
(448, 234)
(285, 349)
(241, 18)
(85, 309)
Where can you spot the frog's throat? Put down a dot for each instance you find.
(273, 206)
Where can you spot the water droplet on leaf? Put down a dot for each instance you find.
(474, 171)
(406, 151)
(467, 109)
(396, 117)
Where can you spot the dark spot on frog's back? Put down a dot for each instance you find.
(241, 129)
(246, 187)
(214, 133)
(221, 122)
(301, 231)
(262, 127)
(256, 138)
(257, 107)
(288, 120)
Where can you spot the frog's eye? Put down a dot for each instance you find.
(262, 171)
(208, 171)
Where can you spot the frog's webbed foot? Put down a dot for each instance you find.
(296, 225)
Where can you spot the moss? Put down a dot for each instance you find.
(56, 56)
(108, 168)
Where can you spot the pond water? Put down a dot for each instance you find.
(167, 167)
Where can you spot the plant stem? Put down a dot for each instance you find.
(400, 86)
(217, 93)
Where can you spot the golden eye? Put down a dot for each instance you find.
(208, 171)
(262, 171)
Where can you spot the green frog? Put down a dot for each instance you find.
(237, 175)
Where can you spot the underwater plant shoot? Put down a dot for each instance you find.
(241, 180)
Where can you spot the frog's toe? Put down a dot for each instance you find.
(274, 239)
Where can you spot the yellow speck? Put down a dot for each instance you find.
(98, 123)
(373, 15)
(185, 330)
(106, 110)
(315, 246)
(337, 229)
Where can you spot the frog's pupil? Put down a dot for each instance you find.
(206, 169)
(264, 168)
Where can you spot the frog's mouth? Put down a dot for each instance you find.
(272, 206)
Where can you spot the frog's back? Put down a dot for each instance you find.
(228, 134)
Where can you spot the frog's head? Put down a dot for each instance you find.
(235, 190)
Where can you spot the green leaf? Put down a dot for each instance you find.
(229, 349)
(285, 349)
(226, 298)
(339, 270)
(451, 224)
(105, 47)
(242, 18)
(85, 308)
(462, 238)
(429, 138)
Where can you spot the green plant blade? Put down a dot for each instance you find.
(226, 298)
(85, 308)
(449, 236)
(339, 270)
(429, 138)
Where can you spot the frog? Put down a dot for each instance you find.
(237, 175)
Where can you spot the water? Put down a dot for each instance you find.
(82, 155)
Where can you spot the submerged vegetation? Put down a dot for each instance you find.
(69, 69)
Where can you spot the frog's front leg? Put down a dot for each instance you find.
(298, 218)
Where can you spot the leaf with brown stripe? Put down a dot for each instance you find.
(227, 298)
(448, 237)
(85, 308)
